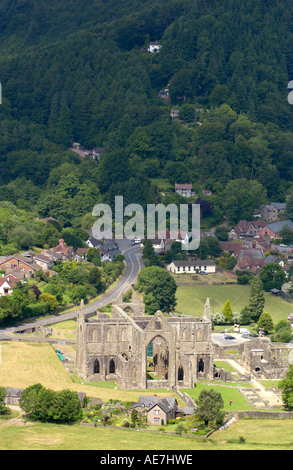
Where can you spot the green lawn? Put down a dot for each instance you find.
(191, 300)
(228, 393)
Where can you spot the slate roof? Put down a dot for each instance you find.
(197, 262)
(148, 402)
(277, 226)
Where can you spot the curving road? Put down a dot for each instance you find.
(133, 266)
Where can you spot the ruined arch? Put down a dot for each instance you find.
(180, 375)
(158, 361)
(200, 366)
(112, 366)
(96, 366)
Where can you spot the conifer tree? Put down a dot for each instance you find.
(256, 300)
(227, 311)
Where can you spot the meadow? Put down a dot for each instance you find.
(273, 434)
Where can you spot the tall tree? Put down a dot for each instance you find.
(256, 300)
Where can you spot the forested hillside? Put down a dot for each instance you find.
(79, 70)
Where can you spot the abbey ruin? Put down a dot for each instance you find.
(142, 351)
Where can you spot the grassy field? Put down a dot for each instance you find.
(191, 300)
(256, 435)
(25, 364)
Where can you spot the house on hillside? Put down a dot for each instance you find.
(154, 47)
(93, 242)
(206, 266)
(67, 252)
(6, 286)
(271, 212)
(184, 190)
(19, 262)
(232, 247)
(246, 228)
(44, 261)
(273, 230)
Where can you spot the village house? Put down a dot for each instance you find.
(44, 261)
(6, 286)
(184, 190)
(249, 263)
(67, 252)
(93, 242)
(273, 230)
(246, 228)
(271, 212)
(205, 266)
(159, 410)
(232, 247)
(19, 262)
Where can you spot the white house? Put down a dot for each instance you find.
(184, 190)
(154, 47)
(5, 287)
(206, 266)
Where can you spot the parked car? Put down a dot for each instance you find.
(229, 337)
(246, 335)
(202, 272)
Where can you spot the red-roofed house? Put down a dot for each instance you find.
(67, 252)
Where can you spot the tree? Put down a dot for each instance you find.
(50, 299)
(3, 408)
(286, 385)
(265, 321)
(227, 311)
(221, 233)
(272, 276)
(286, 233)
(47, 405)
(209, 406)
(241, 197)
(149, 255)
(160, 285)
(256, 299)
(283, 332)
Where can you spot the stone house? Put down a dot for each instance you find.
(192, 267)
(44, 261)
(157, 409)
(246, 228)
(161, 412)
(271, 212)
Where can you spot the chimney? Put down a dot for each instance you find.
(61, 242)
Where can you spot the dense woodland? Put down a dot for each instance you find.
(79, 70)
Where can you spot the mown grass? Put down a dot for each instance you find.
(228, 394)
(191, 300)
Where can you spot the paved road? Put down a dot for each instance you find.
(133, 265)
